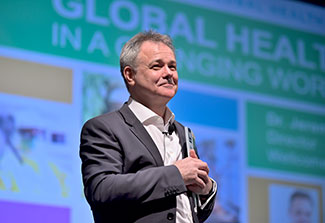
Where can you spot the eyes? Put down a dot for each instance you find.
(159, 66)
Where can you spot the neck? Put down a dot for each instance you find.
(159, 111)
(158, 108)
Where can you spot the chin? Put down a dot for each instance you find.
(164, 98)
(170, 94)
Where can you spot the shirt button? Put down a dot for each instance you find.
(170, 216)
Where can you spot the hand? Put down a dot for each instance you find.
(195, 174)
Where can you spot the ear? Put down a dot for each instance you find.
(129, 75)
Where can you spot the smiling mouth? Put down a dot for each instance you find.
(168, 85)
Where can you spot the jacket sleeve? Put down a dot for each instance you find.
(205, 211)
(106, 178)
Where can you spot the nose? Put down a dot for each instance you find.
(167, 71)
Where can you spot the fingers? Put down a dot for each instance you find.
(204, 176)
(200, 165)
(199, 189)
(199, 183)
(193, 154)
(204, 166)
(193, 171)
(194, 189)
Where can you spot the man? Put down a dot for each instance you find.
(134, 162)
(300, 208)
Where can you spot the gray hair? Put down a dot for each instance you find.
(131, 48)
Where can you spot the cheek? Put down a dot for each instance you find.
(156, 77)
(148, 78)
(176, 77)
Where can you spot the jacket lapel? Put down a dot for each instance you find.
(141, 133)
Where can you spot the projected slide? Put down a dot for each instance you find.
(252, 89)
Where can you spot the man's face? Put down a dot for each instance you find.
(301, 211)
(156, 78)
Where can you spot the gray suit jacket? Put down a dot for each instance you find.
(124, 177)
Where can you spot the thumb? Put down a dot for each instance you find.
(193, 154)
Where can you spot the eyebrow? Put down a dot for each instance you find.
(173, 62)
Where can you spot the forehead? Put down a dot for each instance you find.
(150, 50)
(301, 201)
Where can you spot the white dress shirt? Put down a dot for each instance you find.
(168, 146)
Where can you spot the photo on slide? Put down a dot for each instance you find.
(101, 93)
(292, 204)
(35, 152)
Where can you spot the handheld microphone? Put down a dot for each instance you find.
(190, 140)
(190, 144)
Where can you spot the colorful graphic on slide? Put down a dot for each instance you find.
(251, 88)
(285, 139)
(35, 144)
